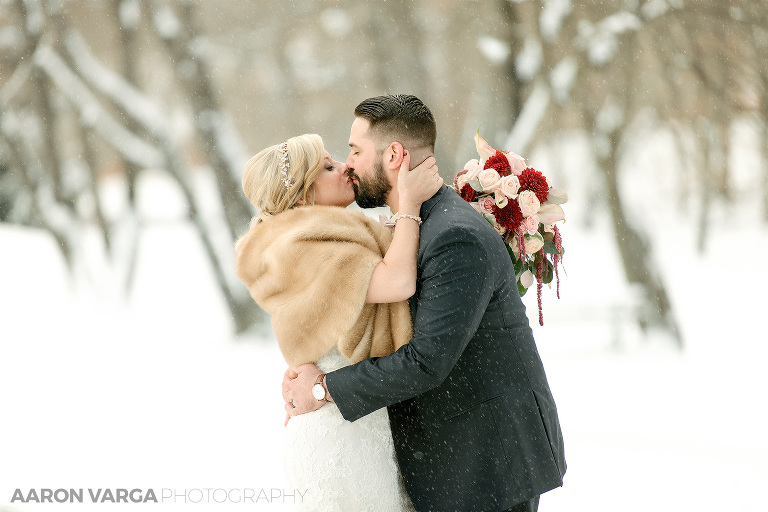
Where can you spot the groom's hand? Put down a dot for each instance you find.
(298, 396)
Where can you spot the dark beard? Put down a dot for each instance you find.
(372, 194)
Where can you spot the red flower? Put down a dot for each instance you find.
(510, 216)
(533, 180)
(468, 193)
(499, 162)
(539, 285)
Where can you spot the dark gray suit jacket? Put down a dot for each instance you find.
(473, 420)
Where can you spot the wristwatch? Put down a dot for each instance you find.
(318, 391)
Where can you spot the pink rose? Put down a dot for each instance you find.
(531, 224)
(473, 168)
(499, 228)
(462, 180)
(489, 178)
(456, 179)
(486, 204)
(509, 185)
(529, 203)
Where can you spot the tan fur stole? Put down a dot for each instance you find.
(310, 268)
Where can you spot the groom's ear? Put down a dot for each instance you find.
(393, 156)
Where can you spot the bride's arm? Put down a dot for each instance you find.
(394, 278)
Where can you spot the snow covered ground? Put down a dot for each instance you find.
(156, 391)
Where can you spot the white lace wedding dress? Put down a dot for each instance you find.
(342, 466)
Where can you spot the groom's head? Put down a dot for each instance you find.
(384, 126)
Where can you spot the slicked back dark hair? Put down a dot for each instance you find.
(399, 117)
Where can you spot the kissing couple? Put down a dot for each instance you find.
(414, 381)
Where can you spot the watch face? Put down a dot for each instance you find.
(318, 391)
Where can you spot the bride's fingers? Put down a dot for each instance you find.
(427, 164)
(288, 376)
(287, 419)
(405, 165)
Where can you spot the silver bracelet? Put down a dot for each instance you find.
(412, 217)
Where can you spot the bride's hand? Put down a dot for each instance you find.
(417, 185)
(288, 376)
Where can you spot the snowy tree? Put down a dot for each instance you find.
(190, 88)
(601, 67)
(62, 105)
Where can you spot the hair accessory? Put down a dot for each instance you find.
(284, 165)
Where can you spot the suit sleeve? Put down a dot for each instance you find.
(455, 291)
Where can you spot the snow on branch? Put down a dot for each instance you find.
(129, 14)
(652, 9)
(562, 77)
(528, 61)
(552, 16)
(529, 119)
(495, 50)
(115, 87)
(166, 23)
(34, 17)
(93, 114)
(601, 40)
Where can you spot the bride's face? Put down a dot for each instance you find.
(333, 187)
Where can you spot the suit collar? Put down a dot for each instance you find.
(429, 204)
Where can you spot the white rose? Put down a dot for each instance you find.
(509, 186)
(533, 244)
(489, 178)
(529, 203)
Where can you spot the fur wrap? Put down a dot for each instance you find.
(310, 268)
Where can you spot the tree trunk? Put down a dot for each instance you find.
(634, 249)
(208, 119)
(128, 60)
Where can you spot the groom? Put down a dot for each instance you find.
(473, 420)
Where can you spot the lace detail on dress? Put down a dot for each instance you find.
(343, 466)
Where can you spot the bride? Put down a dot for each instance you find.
(335, 283)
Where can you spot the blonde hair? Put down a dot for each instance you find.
(261, 180)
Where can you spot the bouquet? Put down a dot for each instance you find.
(523, 207)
